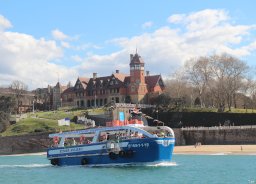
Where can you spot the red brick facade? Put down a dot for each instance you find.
(118, 87)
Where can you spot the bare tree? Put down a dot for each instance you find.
(228, 73)
(198, 73)
(176, 86)
(19, 89)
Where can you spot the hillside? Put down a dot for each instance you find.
(43, 122)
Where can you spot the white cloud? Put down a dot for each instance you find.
(65, 44)
(147, 25)
(29, 60)
(4, 23)
(58, 35)
(205, 19)
(197, 34)
(177, 18)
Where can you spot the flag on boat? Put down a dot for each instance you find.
(64, 122)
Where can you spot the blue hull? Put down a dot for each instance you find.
(130, 152)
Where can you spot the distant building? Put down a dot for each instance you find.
(118, 87)
(98, 91)
(43, 98)
(56, 95)
(24, 101)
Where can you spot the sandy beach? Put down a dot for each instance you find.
(216, 149)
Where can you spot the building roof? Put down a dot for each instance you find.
(68, 90)
(84, 81)
(152, 80)
(120, 76)
(136, 58)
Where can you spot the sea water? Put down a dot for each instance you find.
(184, 169)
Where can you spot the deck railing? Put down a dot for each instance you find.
(219, 128)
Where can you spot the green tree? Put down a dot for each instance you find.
(7, 105)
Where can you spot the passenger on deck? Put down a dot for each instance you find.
(104, 138)
(73, 142)
(88, 141)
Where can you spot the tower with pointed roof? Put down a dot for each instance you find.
(137, 86)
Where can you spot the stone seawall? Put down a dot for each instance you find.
(24, 144)
(184, 136)
(216, 135)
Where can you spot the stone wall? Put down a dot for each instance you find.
(24, 144)
(216, 135)
(185, 136)
(206, 119)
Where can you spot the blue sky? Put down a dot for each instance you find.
(41, 41)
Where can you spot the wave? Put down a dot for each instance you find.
(25, 166)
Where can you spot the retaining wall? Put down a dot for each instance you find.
(184, 136)
(216, 135)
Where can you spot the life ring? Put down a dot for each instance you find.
(112, 155)
(84, 161)
(121, 154)
(129, 153)
(56, 140)
(55, 161)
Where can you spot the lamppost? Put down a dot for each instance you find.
(33, 107)
(95, 98)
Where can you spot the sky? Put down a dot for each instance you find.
(46, 41)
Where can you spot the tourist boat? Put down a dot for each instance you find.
(122, 144)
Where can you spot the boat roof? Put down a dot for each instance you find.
(93, 130)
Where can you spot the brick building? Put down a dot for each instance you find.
(120, 88)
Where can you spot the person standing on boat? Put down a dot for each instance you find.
(73, 142)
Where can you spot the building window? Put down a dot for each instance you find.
(132, 89)
(117, 100)
(82, 103)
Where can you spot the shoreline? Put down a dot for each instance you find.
(215, 150)
(190, 150)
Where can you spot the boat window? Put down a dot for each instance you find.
(159, 131)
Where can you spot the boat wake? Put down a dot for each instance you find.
(164, 164)
(25, 166)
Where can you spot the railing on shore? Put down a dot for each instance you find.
(134, 105)
(219, 128)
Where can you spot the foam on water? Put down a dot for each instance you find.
(164, 164)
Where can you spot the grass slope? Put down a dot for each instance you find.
(43, 122)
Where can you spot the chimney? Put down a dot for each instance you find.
(147, 73)
(117, 71)
(94, 76)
